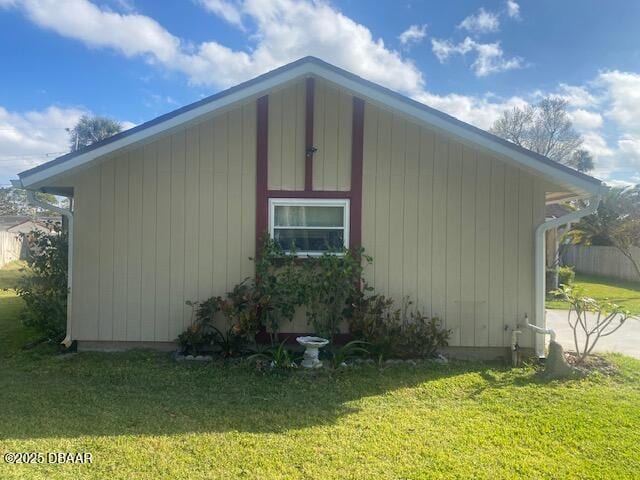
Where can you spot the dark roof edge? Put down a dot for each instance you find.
(338, 70)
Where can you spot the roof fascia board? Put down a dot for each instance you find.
(356, 85)
(463, 133)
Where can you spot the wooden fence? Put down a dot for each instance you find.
(10, 247)
(605, 261)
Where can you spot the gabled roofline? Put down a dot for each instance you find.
(37, 176)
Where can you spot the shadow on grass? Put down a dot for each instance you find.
(148, 393)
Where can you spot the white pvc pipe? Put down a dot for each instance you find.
(540, 264)
(31, 198)
(544, 331)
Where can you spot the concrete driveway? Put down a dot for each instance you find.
(626, 340)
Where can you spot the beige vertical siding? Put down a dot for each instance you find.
(169, 221)
(450, 227)
(333, 115)
(287, 137)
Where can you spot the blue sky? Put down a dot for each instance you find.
(133, 60)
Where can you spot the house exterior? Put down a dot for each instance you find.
(25, 224)
(172, 210)
(12, 227)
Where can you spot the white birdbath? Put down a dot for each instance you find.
(311, 345)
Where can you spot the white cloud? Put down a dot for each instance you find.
(131, 34)
(577, 96)
(443, 49)
(585, 120)
(481, 22)
(513, 9)
(29, 138)
(489, 56)
(229, 11)
(284, 31)
(623, 94)
(596, 144)
(479, 111)
(413, 34)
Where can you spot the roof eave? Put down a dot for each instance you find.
(573, 181)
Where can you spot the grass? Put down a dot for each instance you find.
(13, 335)
(142, 415)
(624, 293)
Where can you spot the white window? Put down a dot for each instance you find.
(312, 226)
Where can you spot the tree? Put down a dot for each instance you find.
(544, 128)
(90, 130)
(13, 201)
(582, 161)
(616, 223)
(44, 285)
(590, 319)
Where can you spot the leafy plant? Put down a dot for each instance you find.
(231, 343)
(274, 356)
(194, 341)
(242, 307)
(334, 280)
(198, 337)
(592, 320)
(353, 349)
(203, 335)
(280, 285)
(566, 276)
(393, 331)
(44, 286)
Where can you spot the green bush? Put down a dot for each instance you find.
(566, 276)
(203, 336)
(280, 286)
(333, 281)
(331, 288)
(44, 286)
(395, 332)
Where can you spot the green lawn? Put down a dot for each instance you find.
(624, 293)
(12, 334)
(142, 415)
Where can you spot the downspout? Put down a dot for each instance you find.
(31, 198)
(540, 263)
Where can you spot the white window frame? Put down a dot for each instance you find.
(314, 202)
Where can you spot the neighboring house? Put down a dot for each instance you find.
(12, 245)
(172, 210)
(25, 224)
(29, 225)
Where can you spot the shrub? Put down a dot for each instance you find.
(566, 276)
(198, 337)
(242, 307)
(203, 336)
(194, 341)
(280, 286)
(395, 332)
(333, 282)
(44, 287)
